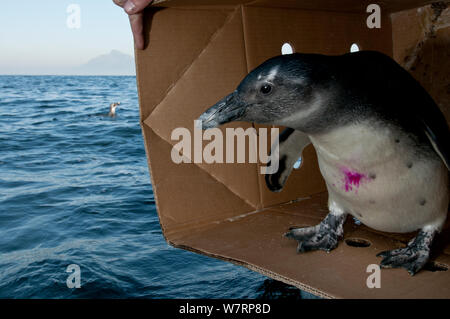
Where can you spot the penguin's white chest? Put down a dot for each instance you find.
(375, 175)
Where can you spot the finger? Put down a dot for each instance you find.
(136, 6)
(137, 27)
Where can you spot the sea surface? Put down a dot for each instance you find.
(75, 189)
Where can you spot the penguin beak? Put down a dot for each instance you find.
(226, 110)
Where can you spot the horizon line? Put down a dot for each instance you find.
(7, 74)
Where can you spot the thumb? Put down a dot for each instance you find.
(136, 6)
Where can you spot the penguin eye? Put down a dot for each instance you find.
(266, 89)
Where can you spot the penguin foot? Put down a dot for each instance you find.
(413, 257)
(324, 236)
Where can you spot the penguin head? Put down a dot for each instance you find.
(113, 106)
(285, 90)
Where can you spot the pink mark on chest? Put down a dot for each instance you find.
(352, 179)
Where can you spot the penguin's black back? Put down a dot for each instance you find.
(390, 93)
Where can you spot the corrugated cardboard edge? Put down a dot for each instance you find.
(329, 5)
(141, 123)
(258, 269)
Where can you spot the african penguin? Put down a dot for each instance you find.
(381, 141)
(112, 109)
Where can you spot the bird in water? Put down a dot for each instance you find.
(382, 144)
(112, 109)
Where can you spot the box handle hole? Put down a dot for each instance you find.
(354, 47)
(434, 266)
(357, 242)
(287, 48)
(298, 163)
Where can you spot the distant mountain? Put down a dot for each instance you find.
(113, 63)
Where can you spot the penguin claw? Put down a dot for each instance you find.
(301, 233)
(324, 236)
(411, 260)
(413, 257)
(388, 253)
(318, 242)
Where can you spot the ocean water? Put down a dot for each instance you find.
(75, 189)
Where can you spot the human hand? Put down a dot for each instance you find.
(134, 9)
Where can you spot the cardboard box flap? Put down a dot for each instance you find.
(174, 56)
(322, 5)
(186, 196)
(200, 83)
(339, 274)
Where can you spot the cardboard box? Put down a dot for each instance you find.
(197, 52)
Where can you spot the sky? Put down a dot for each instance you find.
(35, 37)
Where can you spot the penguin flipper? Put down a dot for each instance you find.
(291, 144)
(439, 139)
(420, 110)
